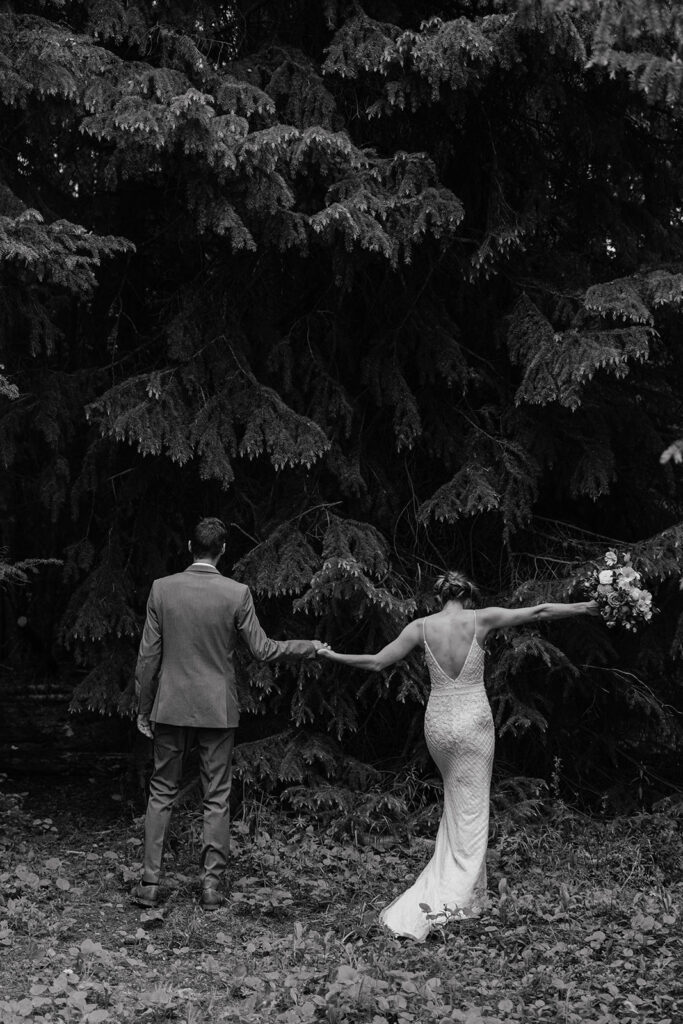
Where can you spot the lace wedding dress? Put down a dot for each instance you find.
(460, 738)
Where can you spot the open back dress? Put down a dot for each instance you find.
(460, 738)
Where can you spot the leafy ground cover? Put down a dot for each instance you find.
(584, 925)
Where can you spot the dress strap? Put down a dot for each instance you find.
(424, 638)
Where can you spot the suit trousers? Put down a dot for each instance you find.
(172, 743)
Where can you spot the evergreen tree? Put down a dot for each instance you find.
(389, 288)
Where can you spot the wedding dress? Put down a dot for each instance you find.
(460, 738)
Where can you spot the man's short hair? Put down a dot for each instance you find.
(208, 537)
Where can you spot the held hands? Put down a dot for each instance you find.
(592, 608)
(322, 649)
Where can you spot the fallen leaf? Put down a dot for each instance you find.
(97, 1016)
(158, 996)
(90, 948)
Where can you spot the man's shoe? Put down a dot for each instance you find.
(212, 899)
(146, 894)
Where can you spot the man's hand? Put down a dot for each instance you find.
(320, 646)
(145, 727)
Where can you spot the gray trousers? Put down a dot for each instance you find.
(171, 745)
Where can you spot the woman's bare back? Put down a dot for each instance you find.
(450, 636)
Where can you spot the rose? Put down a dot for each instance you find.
(606, 576)
(613, 600)
(610, 558)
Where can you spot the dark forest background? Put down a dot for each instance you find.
(390, 289)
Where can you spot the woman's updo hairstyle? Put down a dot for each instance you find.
(454, 586)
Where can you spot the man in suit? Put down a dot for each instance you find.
(186, 681)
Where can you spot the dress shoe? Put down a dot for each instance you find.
(212, 899)
(146, 894)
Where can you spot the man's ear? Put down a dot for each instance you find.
(189, 546)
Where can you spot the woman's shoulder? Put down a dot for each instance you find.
(445, 622)
(416, 628)
(417, 624)
(489, 612)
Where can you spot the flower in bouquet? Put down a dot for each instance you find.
(617, 587)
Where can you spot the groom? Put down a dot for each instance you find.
(186, 680)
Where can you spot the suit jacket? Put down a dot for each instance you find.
(185, 672)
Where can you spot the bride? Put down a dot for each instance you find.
(460, 738)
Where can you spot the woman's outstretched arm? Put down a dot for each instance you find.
(403, 644)
(502, 618)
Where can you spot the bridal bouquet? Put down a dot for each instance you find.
(616, 586)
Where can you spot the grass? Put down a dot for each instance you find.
(584, 925)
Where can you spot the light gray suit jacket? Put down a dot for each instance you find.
(185, 673)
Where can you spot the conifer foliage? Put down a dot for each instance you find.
(388, 287)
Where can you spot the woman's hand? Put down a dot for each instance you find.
(320, 647)
(592, 608)
(408, 638)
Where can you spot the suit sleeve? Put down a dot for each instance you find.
(261, 646)
(149, 659)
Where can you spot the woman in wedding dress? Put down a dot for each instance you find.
(460, 738)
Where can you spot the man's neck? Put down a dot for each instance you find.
(204, 561)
